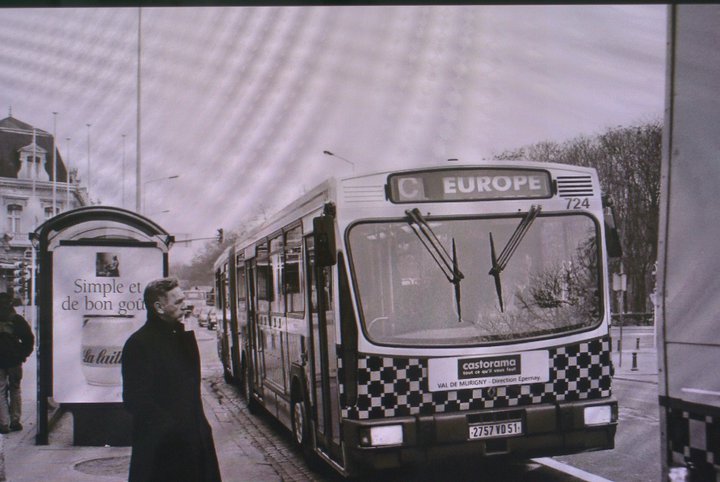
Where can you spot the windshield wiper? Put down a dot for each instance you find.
(500, 262)
(447, 264)
(457, 283)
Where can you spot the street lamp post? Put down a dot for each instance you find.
(164, 211)
(88, 159)
(332, 154)
(67, 174)
(123, 171)
(138, 135)
(54, 168)
(165, 178)
(33, 166)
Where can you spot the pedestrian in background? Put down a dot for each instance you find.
(16, 344)
(171, 438)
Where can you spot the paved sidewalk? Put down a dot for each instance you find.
(638, 359)
(61, 461)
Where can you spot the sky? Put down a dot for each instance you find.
(241, 102)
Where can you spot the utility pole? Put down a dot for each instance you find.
(88, 160)
(138, 172)
(123, 171)
(54, 168)
(67, 174)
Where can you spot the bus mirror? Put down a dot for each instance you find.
(612, 242)
(324, 234)
(612, 236)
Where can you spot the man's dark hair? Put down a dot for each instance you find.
(156, 289)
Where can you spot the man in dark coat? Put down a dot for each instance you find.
(16, 344)
(171, 440)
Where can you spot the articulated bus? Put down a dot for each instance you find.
(404, 317)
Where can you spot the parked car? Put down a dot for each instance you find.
(212, 319)
(203, 315)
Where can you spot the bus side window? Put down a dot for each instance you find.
(264, 278)
(241, 282)
(218, 289)
(324, 240)
(312, 287)
(292, 276)
(226, 294)
(277, 303)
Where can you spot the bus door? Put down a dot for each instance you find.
(254, 332)
(323, 359)
(243, 327)
(233, 334)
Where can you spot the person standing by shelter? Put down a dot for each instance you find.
(171, 438)
(16, 344)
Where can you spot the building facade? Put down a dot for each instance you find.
(34, 186)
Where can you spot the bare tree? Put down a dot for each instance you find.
(200, 270)
(628, 163)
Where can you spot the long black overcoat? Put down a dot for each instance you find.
(171, 438)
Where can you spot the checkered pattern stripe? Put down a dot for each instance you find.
(694, 438)
(394, 386)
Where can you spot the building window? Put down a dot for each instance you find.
(14, 213)
(33, 167)
(49, 211)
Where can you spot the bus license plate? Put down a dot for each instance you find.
(497, 429)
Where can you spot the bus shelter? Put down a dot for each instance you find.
(93, 265)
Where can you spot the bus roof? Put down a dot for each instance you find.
(326, 191)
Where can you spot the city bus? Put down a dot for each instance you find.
(403, 317)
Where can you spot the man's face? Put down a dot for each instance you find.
(171, 307)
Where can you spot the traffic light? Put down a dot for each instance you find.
(220, 235)
(21, 275)
(27, 276)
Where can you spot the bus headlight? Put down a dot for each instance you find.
(381, 435)
(598, 415)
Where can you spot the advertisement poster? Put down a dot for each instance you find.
(488, 371)
(97, 304)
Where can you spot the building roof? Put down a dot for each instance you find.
(15, 135)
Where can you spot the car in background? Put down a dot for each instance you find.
(203, 315)
(195, 300)
(212, 319)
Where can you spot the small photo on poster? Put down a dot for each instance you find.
(107, 265)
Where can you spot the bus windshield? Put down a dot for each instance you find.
(550, 284)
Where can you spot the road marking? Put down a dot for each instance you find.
(570, 470)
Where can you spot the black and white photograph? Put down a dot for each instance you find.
(107, 265)
(316, 242)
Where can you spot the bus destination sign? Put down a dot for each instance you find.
(476, 184)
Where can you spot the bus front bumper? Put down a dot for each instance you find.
(544, 430)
